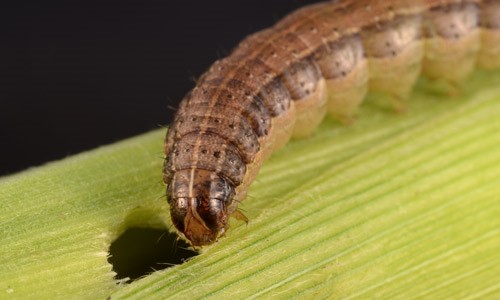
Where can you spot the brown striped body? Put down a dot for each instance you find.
(280, 83)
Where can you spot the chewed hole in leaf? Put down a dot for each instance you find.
(139, 252)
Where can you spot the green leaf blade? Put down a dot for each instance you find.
(391, 207)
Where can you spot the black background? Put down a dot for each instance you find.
(78, 74)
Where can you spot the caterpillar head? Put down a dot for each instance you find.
(199, 201)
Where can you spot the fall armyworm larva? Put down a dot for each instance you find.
(281, 81)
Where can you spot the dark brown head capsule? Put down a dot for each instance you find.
(199, 205)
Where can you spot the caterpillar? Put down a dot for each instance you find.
(280, 82)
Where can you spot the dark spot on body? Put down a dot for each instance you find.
(206, 184)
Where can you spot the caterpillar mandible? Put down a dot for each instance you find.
(280, 82)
